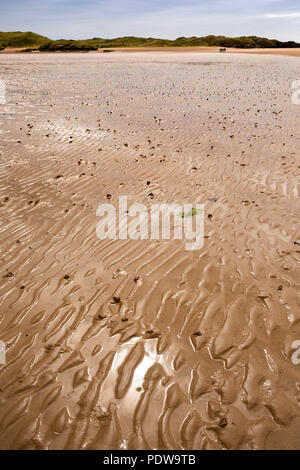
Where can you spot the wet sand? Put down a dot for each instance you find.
(288, 52)
(123, 344)
(292, 52)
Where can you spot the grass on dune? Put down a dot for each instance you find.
(19, 39)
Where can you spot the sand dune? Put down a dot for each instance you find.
(142, 344)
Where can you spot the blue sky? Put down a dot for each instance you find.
(79, 19)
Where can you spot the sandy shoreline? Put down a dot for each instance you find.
(141, 344)
(285, 52)
(290, 52)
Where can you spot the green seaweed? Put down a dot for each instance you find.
(190, 213)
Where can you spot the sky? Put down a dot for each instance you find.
(79, 19)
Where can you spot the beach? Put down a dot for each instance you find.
(143, 344)
(288, 51)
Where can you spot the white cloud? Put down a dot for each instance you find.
(283, 15)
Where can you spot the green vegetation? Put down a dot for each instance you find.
(31, 40)
(64, 45)
(18, 39)
(243, 42)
